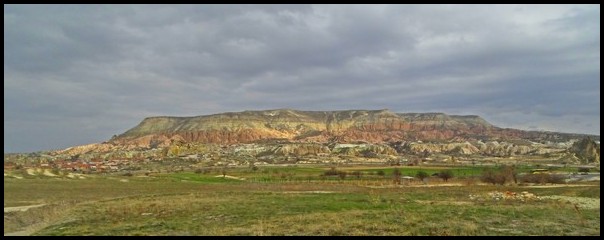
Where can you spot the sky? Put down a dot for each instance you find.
(77, 74)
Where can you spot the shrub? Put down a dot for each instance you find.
(490, 176)
(331, 172)
(381, 173)
(542, 178)
(556, 178)
(445, 175)
(202, 170)
(396, 176)
(505, 174)
(335, 172)
(470, 181)
(421, 175)
(396, 173)
(510, 173)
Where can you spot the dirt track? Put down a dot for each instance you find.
(21, 208)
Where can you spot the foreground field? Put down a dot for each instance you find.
(204, 204)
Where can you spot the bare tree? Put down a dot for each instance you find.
(396, 175)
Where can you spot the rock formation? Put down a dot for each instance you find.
(369, 126)
(350, 134)
(586, 150)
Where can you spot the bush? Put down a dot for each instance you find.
(331, 172)
(334, 172)
(445, 175)
(202, 170)
(396, 173)
(490, 176)
(505, 174)
(421, 175)
(381, 173)
(510, 173)
(542, 178)
(357, 174)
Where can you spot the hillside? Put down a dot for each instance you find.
(371, 126)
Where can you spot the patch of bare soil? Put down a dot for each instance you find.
(48, 173)
(28, 230)
(31, 171)
(231, 177)
(22, 208)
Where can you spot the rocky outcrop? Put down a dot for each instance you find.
(363, 150)
(451, 148)
(298, 150)
(502, 149)
(490, 148)
(586, 150)
(83, 149)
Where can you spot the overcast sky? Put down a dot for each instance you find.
(75, 75)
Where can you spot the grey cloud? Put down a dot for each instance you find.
(79, 74)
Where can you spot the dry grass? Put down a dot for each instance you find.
(165, 206)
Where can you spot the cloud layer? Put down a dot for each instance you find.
(79, 74)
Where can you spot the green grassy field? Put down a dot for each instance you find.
(188, 203)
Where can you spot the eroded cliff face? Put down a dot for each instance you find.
(491, 148)
(370, 126)
(297, 150)
(586, 150)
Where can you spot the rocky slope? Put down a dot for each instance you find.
(586, 150)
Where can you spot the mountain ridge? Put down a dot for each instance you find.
(373, 126)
